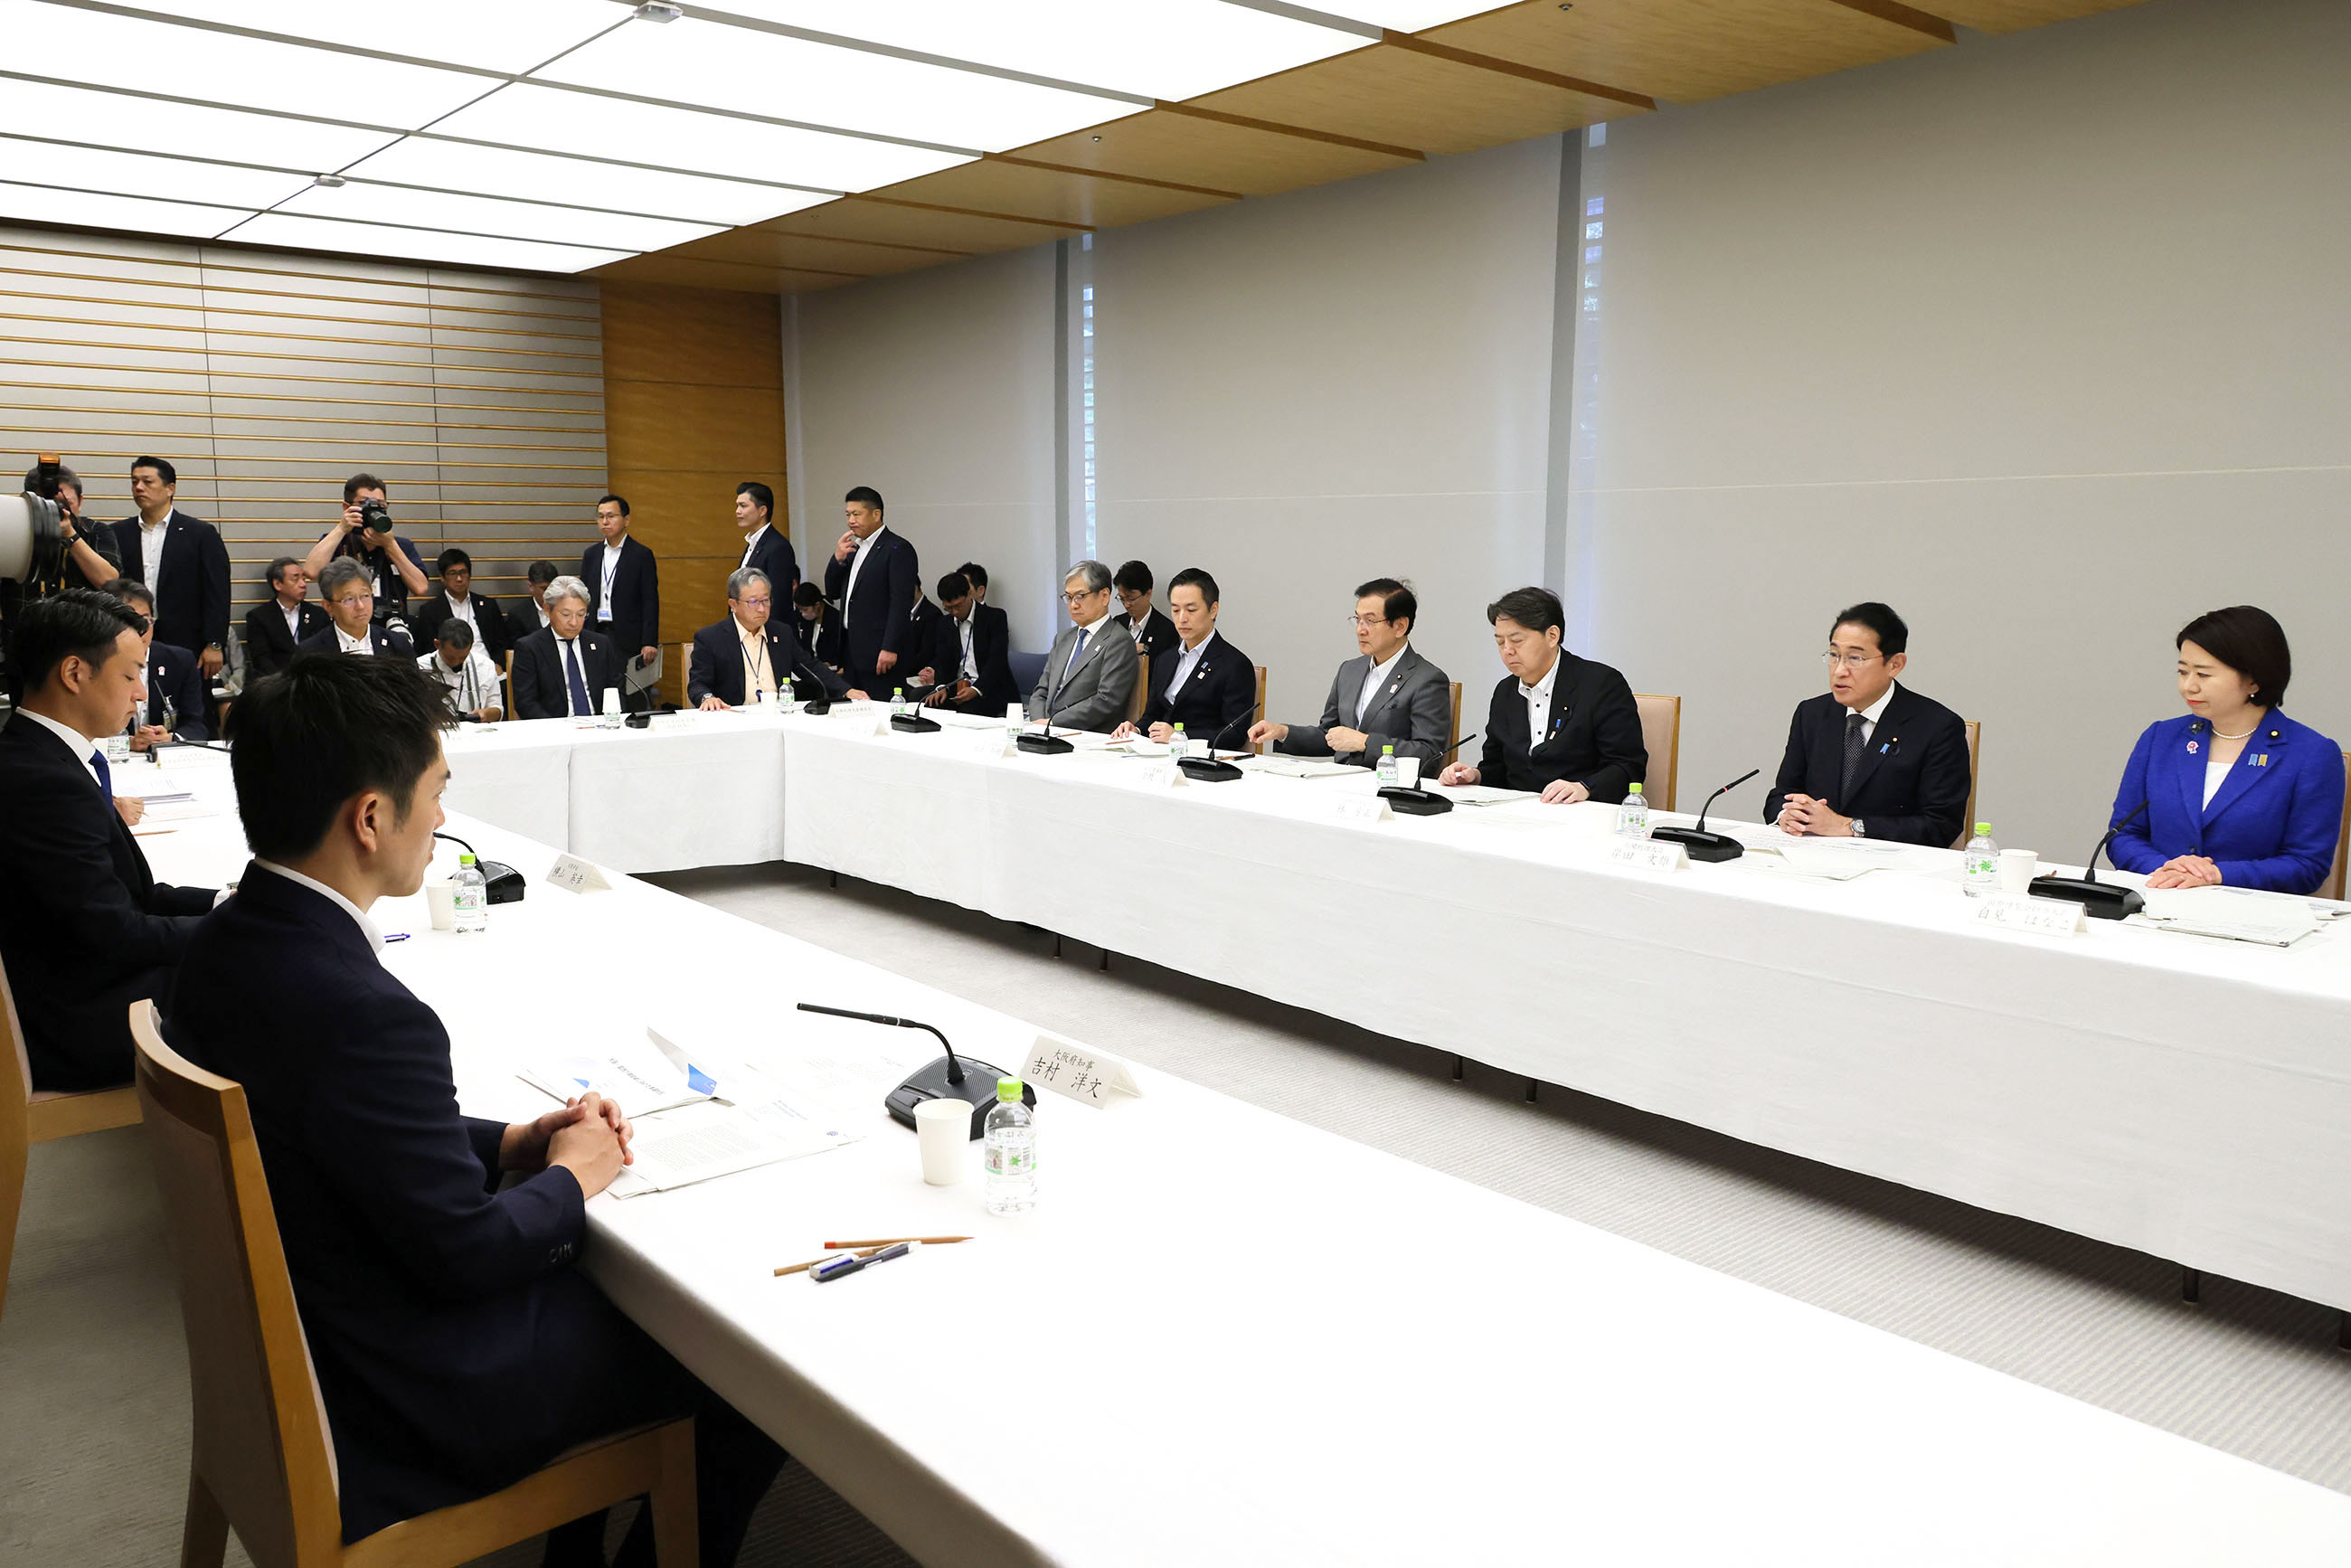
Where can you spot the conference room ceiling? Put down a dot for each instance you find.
(791, 145)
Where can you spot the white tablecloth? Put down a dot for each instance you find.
(1225, 1337)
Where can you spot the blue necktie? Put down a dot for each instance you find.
(1077, 652)
(105, 776)
(580, 706)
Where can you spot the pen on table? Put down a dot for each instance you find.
(804, 1268)
(893, 1240)
(840, 1268)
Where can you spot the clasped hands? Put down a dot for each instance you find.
(589, 1136)
(2185, 871)
(1803, 815)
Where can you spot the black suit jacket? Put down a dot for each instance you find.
(268, 646)
(991, 650)
(636, 596)
(85, 928)
(172, 672)
(541, 687)
(1219, 698)
(1159, 636)
(822, 640)
(773, 554)
(715, 666)
(1594, 738)
(192, 604)
(489, 619)
(1911, 785)
(387, 643)
(878, 618)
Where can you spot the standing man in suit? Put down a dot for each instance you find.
(623, 593)
(394, 567)
(564, 668)
(1205, 684)
(175, 694)
(766, 547)
(875, 578)
(183, 562)
(1565, 725)
(84, 929)
(457, 1347)
(820, 625)
(1152, 633)
(751, 657)
(978, 672)
(1088, 675)
(1872, 759)
(456, 597)
(273, 631)
(350, 606)
(1387, 696)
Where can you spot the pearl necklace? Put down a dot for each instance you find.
(2218, 736)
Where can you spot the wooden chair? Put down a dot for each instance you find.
(1141, 697)
(685, 669)
(263, 1462)
(31, 1117)
(511, 712)
(1661, 735)
(1258, 717)
(1453, 740)
(2332, 886)
(1975, 751)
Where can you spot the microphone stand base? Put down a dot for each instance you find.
(1700, 844)
(913, 723)
(1044, 745)
(1208, 770)
(1415, 802)
(930, 1082)
(2099, 900)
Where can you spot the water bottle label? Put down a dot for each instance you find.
(1003, 1160)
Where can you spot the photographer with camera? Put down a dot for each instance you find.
(83, 558)
(395, 570)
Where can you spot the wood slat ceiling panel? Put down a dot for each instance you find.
(1014, 185)
(1167, 143)
(1685, 52)
(884, 217)
(2015, 16)
(779, 244)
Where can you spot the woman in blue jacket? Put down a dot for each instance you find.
(2234, 792)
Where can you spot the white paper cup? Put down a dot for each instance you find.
(1408, 772)
(944, 1129)
(441, 898)
(2017, 868)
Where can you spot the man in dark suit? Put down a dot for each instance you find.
(1152, 633)
(623, 592)
(273, 631)
(1565, 725)
(84, 929)
(976, 671)
(1203, 684)
(751, 656)
(1386, 698)
(456, 597)
(183, 562)
(457, 1347)
(766, 547)
(1870, 759)
(564, 669)
(176, 702)
(350, 611)
(875, 579)
(529, 616)
(930, 651)
(820, 625)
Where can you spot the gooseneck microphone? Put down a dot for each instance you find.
(1423, 801)
(1700, 844)
(2099, 900)
(942, 1079)
(1208, 769)
(1044, 742)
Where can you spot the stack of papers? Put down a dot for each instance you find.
(1303, 767)
(2236, 913)
(1835, 859)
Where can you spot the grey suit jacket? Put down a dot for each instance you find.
(1412, 712)
(1096, 694)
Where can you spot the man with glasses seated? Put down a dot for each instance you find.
(1089, 676)
(1387, 696)
(1870, 759)
(750, 657)
(350, 593)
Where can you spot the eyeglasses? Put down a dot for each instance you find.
(1834, 659)
(755, 603)
(1368, 621)
(1082, 596)
(353, 601)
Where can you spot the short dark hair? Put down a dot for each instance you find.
(867, 494)
(760, 495)
(1133, 577)
(127, 588)
(358, 482)
(1193, 577)
(277, 568)
(1397, 602)
(163, 470)
(620, 501)
(540, 571)
(449, 558)
(1536, 609)
(1893, 631)
(320, 731)
(455, 634)
(74, 622)
(2248, 641)
(954, 585)
(977, 572)
(807, 593)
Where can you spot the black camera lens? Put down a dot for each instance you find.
(375, 517)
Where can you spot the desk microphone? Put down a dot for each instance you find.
(2099, 900)
(1700, 844)
(1208, 769)
(942, 1079)
(1045, 742)
(502, 883)
(1421, 800)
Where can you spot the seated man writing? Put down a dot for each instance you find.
(458, 1349)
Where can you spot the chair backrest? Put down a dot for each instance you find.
(2332, 886)
(1975, 749)
(16, 1094)
(1453, 740)
(261, 1446)
(509, 682)
(1258, 717)
(1661, 737)
(1135, 704)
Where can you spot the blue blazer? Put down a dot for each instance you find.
(2273, 823)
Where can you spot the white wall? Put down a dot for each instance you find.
(1349, 381)
(936, 389)
(2043, 339)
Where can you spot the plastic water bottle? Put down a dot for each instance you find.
(1386, 768)
(1010, 1150)
(1980, 867)
(897, 701)
(471, 897)
(1632, 815)
(1179, 745)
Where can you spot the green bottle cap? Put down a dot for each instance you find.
(1387, 751)
(1983, 830)
(1008, 1090)
(465, 860)
(898, 690)
(1636, 789)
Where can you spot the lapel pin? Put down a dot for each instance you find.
(2192, 748)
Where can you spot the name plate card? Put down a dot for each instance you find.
(686, 718)
(1360, 809)
(1651, 854)
(1165, 776)
(1076, 1072)
(576, 874)
(2044, 916)
(980, 745)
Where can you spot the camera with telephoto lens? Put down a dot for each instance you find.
(374, 515)
(32, 535)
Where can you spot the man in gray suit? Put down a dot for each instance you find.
(1386, 696)
(1089, 679)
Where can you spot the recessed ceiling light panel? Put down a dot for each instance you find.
(132, 215)
(500, 35)
(543, 176)
(492, 215)
(142, 124)
(418, 244)
(145, 174)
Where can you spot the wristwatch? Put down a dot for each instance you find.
(1857, 830)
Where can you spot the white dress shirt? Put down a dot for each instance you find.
(293, 614)
(80, 745)
(1538, 698)
(857, 564)
(566, 649)
(969, 668)
(473, 684)
(367, 926)
(1371, 685)
(347, 643)
(1186, 660)
(463, 609)
(612, 565)
(1872, 714)
(150, 549)
(750, 543)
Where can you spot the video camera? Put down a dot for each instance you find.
(32, 529)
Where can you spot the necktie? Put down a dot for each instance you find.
(582, 707)
(1077, 652)
(105, 776)
(1851, 756)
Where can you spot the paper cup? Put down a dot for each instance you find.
(2016, 870)
(1408, 772)
(441, 898)
(944, 1129)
